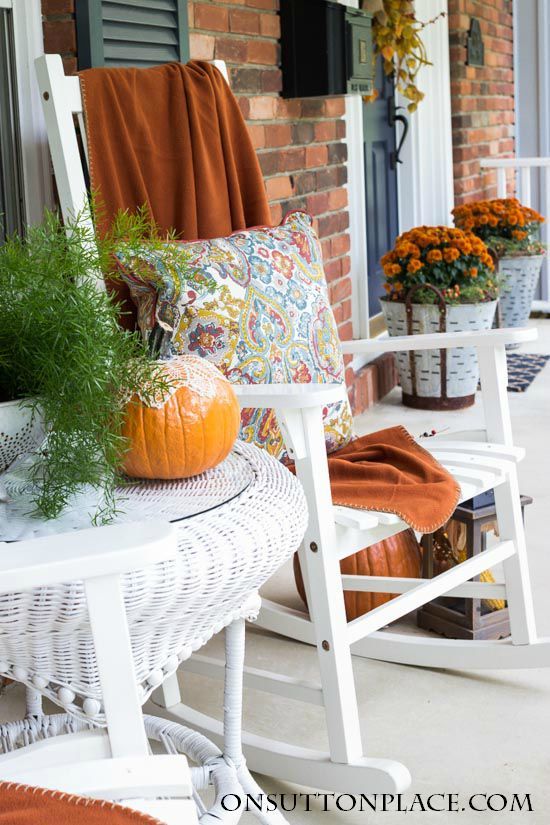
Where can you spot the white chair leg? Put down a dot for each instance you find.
(168, 694)
(493, 372)
(516, 568)
(114, 656)
(321, 573)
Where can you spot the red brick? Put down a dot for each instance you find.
(262, 107)
(244, 22)
(264, 52)
(276, 213)
(339, 290)
(333, 272)
(338, 199)
(57, 7)
(316, 156)
(70, 65)
(279, 187)
(271, 80)
(263, 4)
(231, 50)
(210, 17)
(292, 159)
(201, 46)
(278, 134)
(244, 106)
(325, 130)
(289, 109)
(257, 135)
(59, 36)
(335, 106)
(244, 80)
(269, 163)
(340, 245)
(345, 331)
(317, 203)
(270, 25)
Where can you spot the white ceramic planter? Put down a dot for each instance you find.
(462, 372)
(520, 277)
(21, 431)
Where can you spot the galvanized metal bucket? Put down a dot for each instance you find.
(438, 379)
(520, 277)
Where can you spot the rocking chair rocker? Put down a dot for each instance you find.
(479, 461)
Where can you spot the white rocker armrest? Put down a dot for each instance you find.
(84, 554)
(288, 396)
(439, 340)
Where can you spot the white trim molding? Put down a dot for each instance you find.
(357, 215)
(29, 44)
(425, 179)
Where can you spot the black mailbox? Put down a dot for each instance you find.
(326, 49)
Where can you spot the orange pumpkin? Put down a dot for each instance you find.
(190, 429)
(400, 555)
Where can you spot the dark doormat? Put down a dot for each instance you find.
(523, 368)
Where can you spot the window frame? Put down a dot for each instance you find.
(37, 187)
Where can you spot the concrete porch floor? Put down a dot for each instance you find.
(457, 732)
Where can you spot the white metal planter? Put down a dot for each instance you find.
(21, 430)
(520, 276)
(420, 372)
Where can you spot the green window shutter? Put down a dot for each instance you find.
(131, 32)
(12, 210)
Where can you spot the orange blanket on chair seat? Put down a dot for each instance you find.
(172, 137)
(25, 805)
(390, 472)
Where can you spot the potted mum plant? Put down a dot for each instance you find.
(438, 279)
(510, 232)
(67, 369)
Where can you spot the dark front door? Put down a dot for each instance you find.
(380, 181)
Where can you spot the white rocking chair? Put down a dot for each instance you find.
(112, 763)
(479, 461)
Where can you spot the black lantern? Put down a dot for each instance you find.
(463, 537)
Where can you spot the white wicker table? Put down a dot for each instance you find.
(231, 538)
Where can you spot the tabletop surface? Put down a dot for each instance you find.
(141, 499)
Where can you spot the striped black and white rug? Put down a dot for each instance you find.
(523, 368)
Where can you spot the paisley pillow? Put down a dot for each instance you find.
(256, 305)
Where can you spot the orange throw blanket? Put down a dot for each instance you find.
(390, 472)
(23, 805)
(172, 137)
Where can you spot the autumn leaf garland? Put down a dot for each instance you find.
(397, 38)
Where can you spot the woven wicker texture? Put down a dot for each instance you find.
(173, 608)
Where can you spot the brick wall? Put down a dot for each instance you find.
(300, 148)
(482, 97)
(300, 143)
(59, 31)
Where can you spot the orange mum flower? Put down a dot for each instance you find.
(434, 255)
(451, 254)
(414, 265)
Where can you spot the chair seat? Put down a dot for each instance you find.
(476, 466)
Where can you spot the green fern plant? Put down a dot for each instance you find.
(62, 348)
